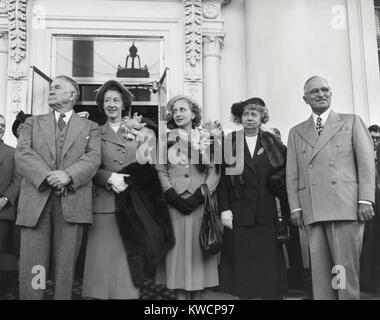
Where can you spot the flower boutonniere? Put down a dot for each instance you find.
(132, 126)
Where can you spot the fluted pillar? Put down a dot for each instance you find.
(211, 77)
(3, 71)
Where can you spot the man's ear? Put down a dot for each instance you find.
(305, 99)
(73, 95)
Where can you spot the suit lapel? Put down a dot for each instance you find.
(47, 126)
(2, 151)
(308, 132)
(75, 126)
(332, 125)
(109, 135)
(259, 154)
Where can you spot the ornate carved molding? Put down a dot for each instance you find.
(225, 2)
(3, 7)
(211, 10)
(193, 31)
(16, 75)
(17, 29)
(212, 45)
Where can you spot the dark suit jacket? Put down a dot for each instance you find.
(36, 157)
(248, 195)
(9, 182)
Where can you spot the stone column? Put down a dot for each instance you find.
(212, 40)
(211, 77)
(3, 71)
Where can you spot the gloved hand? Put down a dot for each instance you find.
(117, 182)
(196, 199)
(227, 217)
(277, 185)
(175, 200)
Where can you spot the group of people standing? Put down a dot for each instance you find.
(70, 173)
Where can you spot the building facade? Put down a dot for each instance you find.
(216, 51)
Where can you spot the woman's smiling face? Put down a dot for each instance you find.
(113, 104)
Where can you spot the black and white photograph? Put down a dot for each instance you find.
(208, 151)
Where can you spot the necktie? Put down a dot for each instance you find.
(319, 126)
(61, 122)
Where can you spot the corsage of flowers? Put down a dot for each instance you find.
(206, 140)
(132, 126)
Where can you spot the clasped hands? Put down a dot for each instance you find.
(184, 206)
(117, 182)
(59, 179)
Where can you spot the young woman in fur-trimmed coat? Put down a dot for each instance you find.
(186, 269)
(131, 232)
(252, 264)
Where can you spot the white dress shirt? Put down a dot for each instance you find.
(67, 117)
(323, 116)
(251, 142)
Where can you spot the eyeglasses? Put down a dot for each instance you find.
(316, 91)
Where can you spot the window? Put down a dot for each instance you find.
(377, 14)
(91, 60)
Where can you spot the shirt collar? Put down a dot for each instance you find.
(68, 115)
(323, 116)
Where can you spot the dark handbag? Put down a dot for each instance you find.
(210, 236)
(282, 225)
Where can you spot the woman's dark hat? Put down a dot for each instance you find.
(20, 118)
(113, 83)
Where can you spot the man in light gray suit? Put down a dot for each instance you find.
(330, 179)
(57, 154)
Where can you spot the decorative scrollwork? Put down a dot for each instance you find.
(17, 29)
(3, 7)
(193, 30)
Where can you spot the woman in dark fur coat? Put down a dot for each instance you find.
(131, 232)
(252, 263)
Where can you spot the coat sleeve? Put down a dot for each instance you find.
(86, 167)
(13, 188)
(30, 164)
(222, 190)
(163, 175)
(365, 162)
(213, 178)
(292, 173)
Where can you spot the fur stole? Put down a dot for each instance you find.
(143, 220)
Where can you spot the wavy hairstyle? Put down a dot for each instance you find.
(195, 108)
(255, 103)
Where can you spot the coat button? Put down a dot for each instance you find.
(120, 163)
(310, 166)
(332, 163)
(186, 175)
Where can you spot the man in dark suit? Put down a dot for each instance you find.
(57, 154)
(9, 186)
(330, 175)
